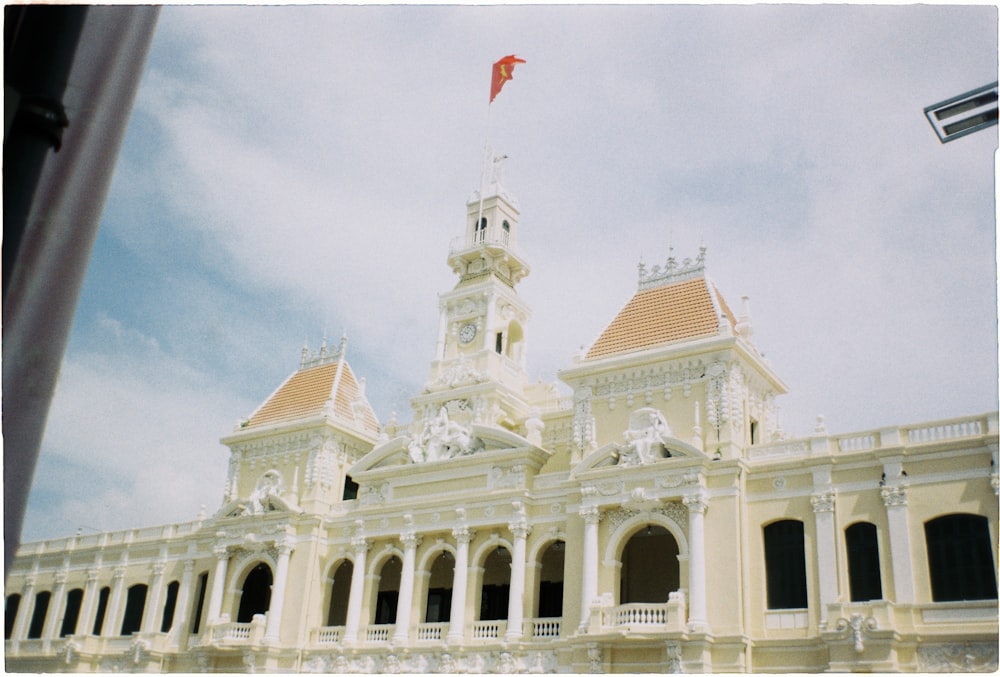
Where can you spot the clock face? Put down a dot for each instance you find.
(467, 333)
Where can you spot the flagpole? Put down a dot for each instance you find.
(482, 174)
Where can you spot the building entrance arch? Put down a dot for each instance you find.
(255, 597)
(650, 569)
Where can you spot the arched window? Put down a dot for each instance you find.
(550, 581)
(135, 601)
(350, 489)
(340, 592)
(439, 589)
(496, 586)
(169, 606)
(102, 609)
(256, 597)
(863, 562)
(38, 617)
(10, 614)
(650, 570)
(202, 589)
(74, 599)
(785, 565)
(506, 226)
(960, 558)
(388, 592)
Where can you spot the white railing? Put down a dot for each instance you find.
(862, 442)
(231, 632)
(883, 438)
(542, 628)
(378, 633)
(637, 613)
(431, 632)
(488, 629)
(331, 634)
(944, 431)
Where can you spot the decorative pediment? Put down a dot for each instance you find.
(269, 495)
(440, 440)
(647, 440)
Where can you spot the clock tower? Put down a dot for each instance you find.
(479, 366)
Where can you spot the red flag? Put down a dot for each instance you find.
(503, 70)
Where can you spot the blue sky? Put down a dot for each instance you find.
(295, 171)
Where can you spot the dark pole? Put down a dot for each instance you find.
(39, 45)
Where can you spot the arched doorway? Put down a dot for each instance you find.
(388, 592)
(496, 586)
(340, 592)
(256, 596)
(439, 587)
(650, 570)
(550, 581)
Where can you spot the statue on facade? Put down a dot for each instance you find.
(646, 439)
(442, 438)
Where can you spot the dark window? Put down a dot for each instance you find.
(550, 599)
(38, 617)
(135, 601)
(863, 562)
(506, 226)
(496, 599)
(500, 342)
(385, 607)
(340, 593)
(256, 597)
(102, 609)
(482, 224)
(754, 432)
(169, 606)
(960, 558)
(74, 598)
(10, 614)
(785, 565)
(202, 588)
(438, 605)
(350, 489)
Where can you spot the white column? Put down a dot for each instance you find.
(218, 583)
(24, 611)
(588, 593)
(88, 612)
(404, 606)
(460, 581)
(356, 597)
(515, 604)
(824, 504)
(56, 603)
(697, 504)
(894, 499)
(181, 610)
(273, 632)
(442, 334)
(113, 618)
(153, 615)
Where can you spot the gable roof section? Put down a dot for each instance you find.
(667, 313)
(305, 394)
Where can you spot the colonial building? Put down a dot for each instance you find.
(656, 519)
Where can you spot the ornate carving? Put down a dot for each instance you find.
(375, 494)
(696, 503)
(671, 481)
(957, 657)
(646, 438)
(595, 656)
(442, 438)
(894, 496)
(857, 626)
(511, 478)
(823, 501)
(673, 662)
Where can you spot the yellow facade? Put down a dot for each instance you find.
(654, 519)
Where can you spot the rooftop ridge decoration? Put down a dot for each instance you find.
(323, 355)
(672, 272)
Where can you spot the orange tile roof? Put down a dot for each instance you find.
(306, 393)
(663, 314)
